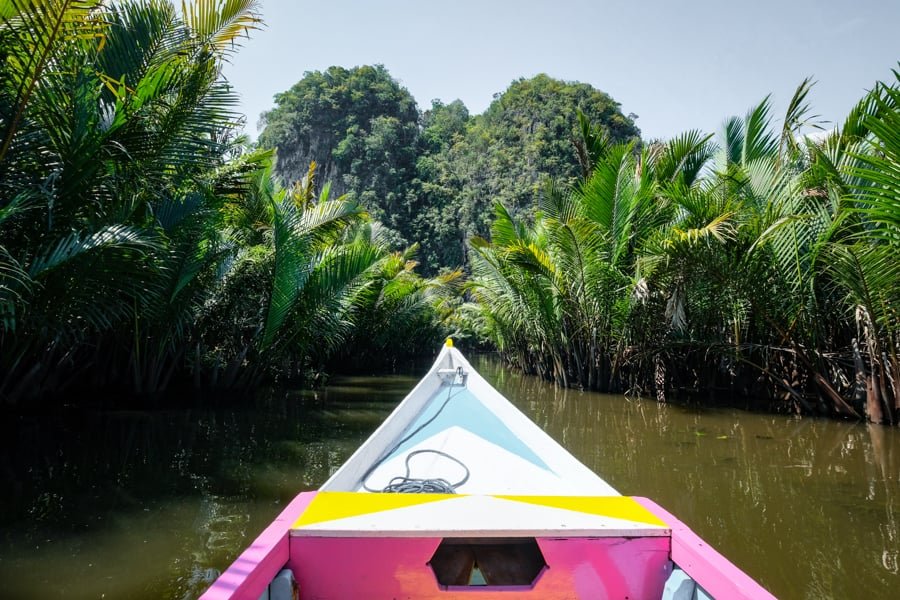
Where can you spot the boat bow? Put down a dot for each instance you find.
(516, 512)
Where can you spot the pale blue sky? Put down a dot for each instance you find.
(678, 65)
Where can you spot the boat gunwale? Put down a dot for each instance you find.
(708, 568)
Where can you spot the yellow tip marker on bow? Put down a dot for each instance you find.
(449, 342)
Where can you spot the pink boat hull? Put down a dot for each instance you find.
(393, 568)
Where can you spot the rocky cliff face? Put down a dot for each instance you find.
(295, 155)
(359, 125)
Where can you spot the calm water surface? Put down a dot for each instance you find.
(152, 504)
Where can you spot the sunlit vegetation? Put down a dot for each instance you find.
(145, 245)
(431, 177)
(142, 244)
(762, 264)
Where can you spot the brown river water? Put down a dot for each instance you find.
(134, 504)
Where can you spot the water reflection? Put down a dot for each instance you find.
(150, 505)
(809, 507)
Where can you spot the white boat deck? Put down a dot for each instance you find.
(509, 477)
(472, 436)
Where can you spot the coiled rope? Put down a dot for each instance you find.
(411, 485)
(404, 484)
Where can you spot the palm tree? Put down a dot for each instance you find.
(115, 122)
(691, 264)
(863, 262)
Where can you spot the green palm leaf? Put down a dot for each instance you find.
(797, 116)
(878, 170)
(77, 245)
(870, 276)
(683, 156)
(220, 23)
(39, 29)
(299, 234)
(759, 142)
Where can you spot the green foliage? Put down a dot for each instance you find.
(115, 122)
(395, 311)
(434, 197)
(433, 177)
(141, 245)
(505, 155)
(360, 127)
(692, 265)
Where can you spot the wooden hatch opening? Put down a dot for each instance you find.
(487, 562)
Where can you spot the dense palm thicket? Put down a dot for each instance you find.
(762, 265)
(142, 244)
